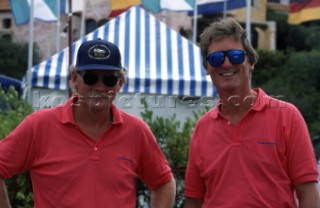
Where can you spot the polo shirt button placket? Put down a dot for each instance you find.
(95, 154)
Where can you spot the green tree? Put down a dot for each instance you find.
(14, 58)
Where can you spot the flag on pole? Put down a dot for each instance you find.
(119, 6)
(152, 6)
(203, 6)
(177, 5)
(303, 11)
(217, 6)
(44, 10)
(156, 6)
(77, 6)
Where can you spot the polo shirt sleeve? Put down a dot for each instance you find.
(194, 183)
(153, 168)
(301, 162)
(15, 150)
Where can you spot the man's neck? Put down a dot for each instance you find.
(235, 106)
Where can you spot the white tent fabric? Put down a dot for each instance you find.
(158, 59)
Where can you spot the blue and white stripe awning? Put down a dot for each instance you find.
(159, 60)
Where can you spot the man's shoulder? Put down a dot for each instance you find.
(45, 113)
(131, 119)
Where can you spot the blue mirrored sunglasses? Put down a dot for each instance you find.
(216, 59)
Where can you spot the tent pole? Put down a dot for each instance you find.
(28, 95)
(195, 22)
(58, 26)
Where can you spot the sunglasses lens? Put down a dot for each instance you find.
(110, 80)
(90, 78)
(216, 59)
(236, 56)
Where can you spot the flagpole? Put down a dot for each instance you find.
(58, 26)
(70, 31)
(248, 19)
(225, 9)
(83, 15)
(30, 53)
(70, 40)
(195, 22)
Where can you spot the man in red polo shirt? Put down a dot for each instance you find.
(251, 150)
(88, 153)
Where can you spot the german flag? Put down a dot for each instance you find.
(303, 11)
(119, 6)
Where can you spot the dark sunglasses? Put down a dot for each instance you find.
(235, 57)
(90, 79)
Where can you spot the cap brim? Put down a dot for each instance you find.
(96, 67)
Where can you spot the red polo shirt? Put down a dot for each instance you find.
(254, 164)
(69, 169)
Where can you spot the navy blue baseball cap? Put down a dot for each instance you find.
(98, 55)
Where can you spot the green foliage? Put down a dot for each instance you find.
(312, 41)
(12, 111)
(268, 66)
(173, 138)
(14, 58)
(20, 191)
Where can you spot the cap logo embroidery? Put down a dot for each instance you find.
(99, 52)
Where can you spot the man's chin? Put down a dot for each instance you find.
(99, 103)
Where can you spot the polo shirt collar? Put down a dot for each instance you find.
(67, 112)
(261, 102)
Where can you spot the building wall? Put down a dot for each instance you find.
(266, 31)
(258, 12)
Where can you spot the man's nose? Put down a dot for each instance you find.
(226, 62)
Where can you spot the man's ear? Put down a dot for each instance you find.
(73, 77)
(122, 80)
(251, 67)
(207, 71)
(73, 81)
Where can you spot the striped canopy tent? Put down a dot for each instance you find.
(158, 59)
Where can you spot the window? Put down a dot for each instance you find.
(274, 1)
(102, 22)
(7, 37)
(255, 3)
(6, 23)
(91, 25)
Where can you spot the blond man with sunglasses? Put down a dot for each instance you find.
(250, 150)
(88, 153)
